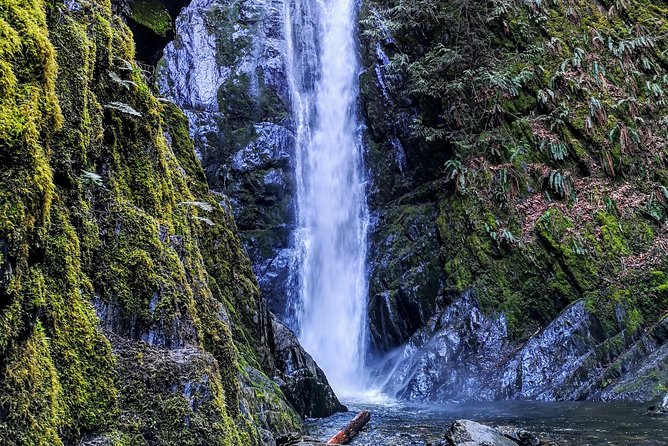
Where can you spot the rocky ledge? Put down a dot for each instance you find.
(301, 380)
(464, 354)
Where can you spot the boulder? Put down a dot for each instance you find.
(452, 356)
(661, 408)
(470, 433)
(520, 436)
(301, 380)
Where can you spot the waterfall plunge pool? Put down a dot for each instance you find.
(565, 423)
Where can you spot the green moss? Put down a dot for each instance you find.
(546, 123)
(152, 14)
(31, 394)
(611, 233)
(80, 352)
(98, 205)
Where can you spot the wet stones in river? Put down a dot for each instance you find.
(660, 408)
(521, 437)
(297, 439)
(470, 433)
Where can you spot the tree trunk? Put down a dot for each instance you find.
(348, 433)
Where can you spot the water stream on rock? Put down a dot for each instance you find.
(332, 214)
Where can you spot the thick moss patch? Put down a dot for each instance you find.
(121, 274)
(153, 15)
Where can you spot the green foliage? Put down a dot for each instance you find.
(540, 111)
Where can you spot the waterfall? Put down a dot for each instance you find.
(332, 217)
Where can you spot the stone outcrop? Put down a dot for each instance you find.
(226, 70)
(563, 241)
(129, 312)
(661, 408)
(464, 355)
(470, 433)
(452, 356)
(301, 380)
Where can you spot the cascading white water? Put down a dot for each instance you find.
(331, 207)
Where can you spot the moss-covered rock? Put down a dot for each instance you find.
(540, 127)
(550, 117)
(128, 309)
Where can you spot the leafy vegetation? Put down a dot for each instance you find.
(548, 120)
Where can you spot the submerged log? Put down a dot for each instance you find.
(352, 429)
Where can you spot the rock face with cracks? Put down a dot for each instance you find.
(301, 380)
(226, 70)
(463, 354)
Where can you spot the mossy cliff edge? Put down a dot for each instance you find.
(129, 314)
(518, 148)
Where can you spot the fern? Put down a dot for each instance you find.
(579, 246)
(125, 64)
(206, 220)
(507, 237)
(545, 96)
(597, 112)
(123, 108)
(560, 183)
(91, 178)
(203, 205)
(117, 79)
(456, 171)
(556, 150)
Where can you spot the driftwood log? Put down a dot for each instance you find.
(352, 429)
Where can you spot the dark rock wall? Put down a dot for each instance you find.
(405, 280)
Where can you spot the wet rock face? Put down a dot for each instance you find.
(225, 68)
(301, 380)
(405, 270)
(517, 245)
(404, 273)
(635, 373)
(659, 409)
(545, 367)
(452, 356)
(464, 354)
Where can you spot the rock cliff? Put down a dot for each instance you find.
(129, 311)
(226, 70)
(517, 148)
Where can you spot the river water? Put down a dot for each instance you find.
(568, 423)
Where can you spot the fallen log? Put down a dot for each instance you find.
(352, 429)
